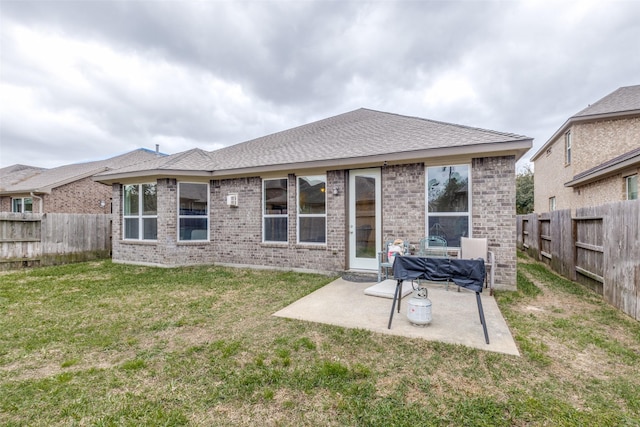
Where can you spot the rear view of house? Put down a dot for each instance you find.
(322, 197)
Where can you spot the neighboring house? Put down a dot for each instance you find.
(65, 189)
(322, 197)
(594, 158)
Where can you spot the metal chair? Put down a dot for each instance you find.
(474, 248)
(384, 263)
(433, 246)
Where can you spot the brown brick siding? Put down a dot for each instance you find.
(5, 204)
(601, 141)
(82, 196)
(494, 214)
(403, 202)
(236, 233)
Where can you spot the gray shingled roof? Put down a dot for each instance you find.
(358, 133)
(194, 159)
(13, 174)
(47, 179)
(623, 99)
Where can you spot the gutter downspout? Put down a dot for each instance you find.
(39, 198)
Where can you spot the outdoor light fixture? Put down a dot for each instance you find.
(336, 191)
(102, 203)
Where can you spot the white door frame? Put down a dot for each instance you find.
(370, 261)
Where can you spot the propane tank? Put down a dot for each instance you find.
(419, 307)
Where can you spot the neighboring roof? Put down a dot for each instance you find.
(623, 102)
(353, 138)
(48, 179)
(15, 173)
(610, 167)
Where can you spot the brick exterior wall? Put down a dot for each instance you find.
(82, 196)
(5, 204)
(236, 232)
(592, 144)
(403, 202)
(493, 181)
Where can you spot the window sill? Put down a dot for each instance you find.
(311, 246)
(138, 242)
(274, 244)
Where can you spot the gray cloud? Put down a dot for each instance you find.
(88, 80)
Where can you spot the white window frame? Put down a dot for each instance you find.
(466, 213)
(22, 204)
(266, 215)
(567, 148)
(204, 216)
(627, 181)
(311, 215)
(140, 215)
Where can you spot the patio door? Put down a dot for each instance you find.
(365, 219)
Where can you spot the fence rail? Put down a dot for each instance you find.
(53, 238)
(598, 247)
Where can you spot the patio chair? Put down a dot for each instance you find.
(384, 263)
(474, 248)
(433, 246)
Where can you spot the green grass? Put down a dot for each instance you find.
(105, 344)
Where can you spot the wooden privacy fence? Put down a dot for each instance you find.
(52, 238)
(598, 247)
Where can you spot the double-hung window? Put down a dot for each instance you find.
(312, 209)
(275, 210)
(22, 204)
(449, 202)
(632, 187)
(193, 216)
(567, 148)
(140, 212)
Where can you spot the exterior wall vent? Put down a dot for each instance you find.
(232, 200)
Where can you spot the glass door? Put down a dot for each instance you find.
(364, 219)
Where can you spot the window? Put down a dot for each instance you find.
(632, 187)
(22, 204)
(312, 212)
(193, 216)
(140, 212)
(274, 210)
(552, 203)
(449, 204)
(567, 148)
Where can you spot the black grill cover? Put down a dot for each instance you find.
(467, 273)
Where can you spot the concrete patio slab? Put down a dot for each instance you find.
(455, 317)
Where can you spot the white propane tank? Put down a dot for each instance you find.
(419, 307)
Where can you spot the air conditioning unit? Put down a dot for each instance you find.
(232, 200)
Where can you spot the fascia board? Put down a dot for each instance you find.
(149, 174)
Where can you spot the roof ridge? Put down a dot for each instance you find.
(448, 123)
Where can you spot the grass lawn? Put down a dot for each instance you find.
(105, 344)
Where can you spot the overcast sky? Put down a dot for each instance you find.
(90, 79)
